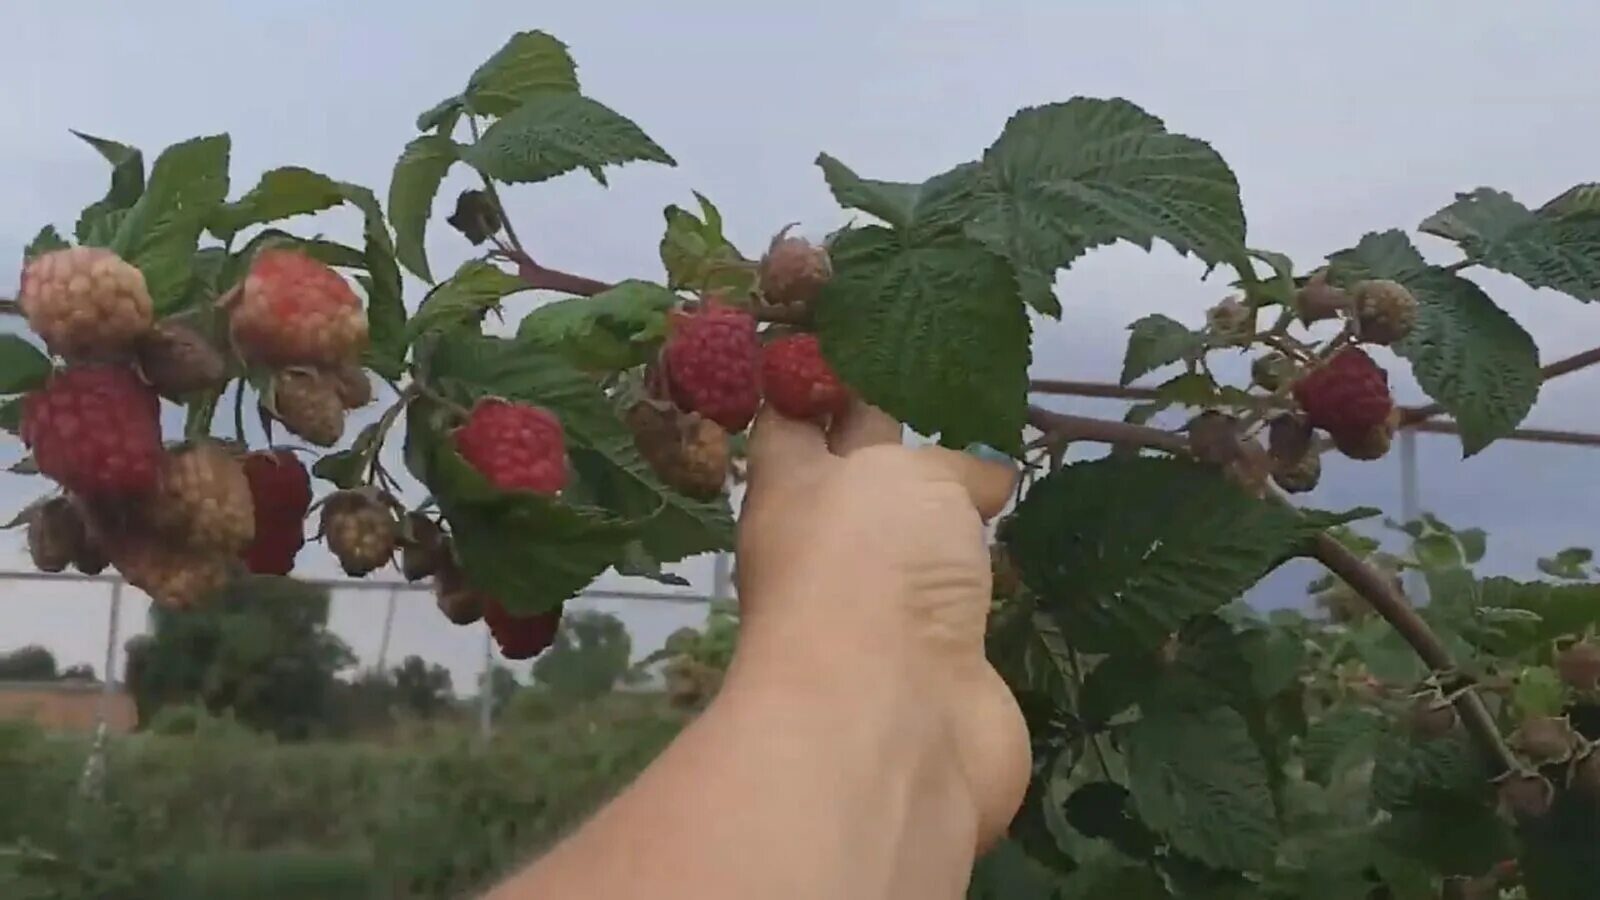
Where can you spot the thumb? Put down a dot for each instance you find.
(989, 483)
(781, 447)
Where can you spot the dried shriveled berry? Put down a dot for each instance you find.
(1319, 300)
(424, 549)
(1545, 739)
(55, 535)
(687, 451)
(307, 402)
(1432, 716)
(1231, 321)
(459, 603)
(360, 529)
(1301, 476)
(1526, 795)
(177, 361)
(355, 389)
(793, 270)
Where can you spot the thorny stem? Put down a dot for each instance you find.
(1371, 584)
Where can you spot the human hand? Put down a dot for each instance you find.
(866, 560)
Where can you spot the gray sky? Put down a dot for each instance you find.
(1337, 118)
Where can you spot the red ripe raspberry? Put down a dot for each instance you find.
(96, 431)
(516, 446)
(1349, 393)
(281, 492)
(798, 382)
(711, 359)
(296, 311)
(520, 637)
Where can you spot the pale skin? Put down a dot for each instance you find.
(862, 746)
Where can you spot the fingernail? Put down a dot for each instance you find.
(988, 453)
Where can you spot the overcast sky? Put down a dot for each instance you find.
(1337, 118)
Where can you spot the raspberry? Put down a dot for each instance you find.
(1545, 739)
(1269, 372)
(307, 403)
(711, 359)
(1432, 716)
(350, 380)
(520, 637)
(1366, 443)
(173, 577)
(424, 549)
(280, 490)
(1526, 795)
(1348, 393)
(202, 501)
(688, 452)
(55, 535)
(459, 602)
(1319, 300)
(1289, 439)
(1214, 438)
(517, 447)
(294, 310)
(1385, 311)
(95, 430)
(1579, 666)
(176, 360)
(86, 302)
(360, 529)
(1231, 322)
(793, 270)
(798, 382)
(1301, 476)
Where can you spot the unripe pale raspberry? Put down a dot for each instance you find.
(798, 382)
(424, 549)
(55, 535)
(1367, 443)
(280, 492)
(307, 402)
(294, 310)
(1545, 739)
(174, 577)
(202, 501)
(460, 604)
(520, 637)
(1270, 371)
(1579, 666)
(517, 447)
(1385, 312)
(1301, 476)
(86, 302)
(793, 270)
(360, 530)
(95, 430)
(1349, 393)
(355, 389)
(689, 452)
(712, 359)
(1231, 321)
(176, 360)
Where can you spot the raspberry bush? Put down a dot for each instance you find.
(1184, 746)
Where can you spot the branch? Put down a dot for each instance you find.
(1389, 603)
(1064, 428)
(539, 277)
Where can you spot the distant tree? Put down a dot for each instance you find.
(78, 672)
(502, 686)
(30, 663)
(260, 650)
(590, 656)
(421, 688)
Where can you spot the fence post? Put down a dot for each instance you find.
(1411, 508)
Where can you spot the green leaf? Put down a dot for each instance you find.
(531, 63)
(1340, 740)
(1465, 351)
(462, 298)
(417, 176)
(552, 134)
(935, 335)
(95, 226)
(11, 415)
(22, 366)
(48, 239)
(1571, 563)
(1007, 873)
(160, 232)
(1557, 247)
(1104, 809)
(1198, 778)
(616, 329)
(469, 366)
(441, 118)
(1538, 692)
(531, 552)
(1123, 551)
(1066, 177)
(281, 193)
(934, 208)
(1412, 770)
(1156, 341)
(1559, 610)
(347, 469)
(386, 311)
(699, 257)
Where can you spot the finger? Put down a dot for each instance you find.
(781, 446)
(862, 425)
(989, 483)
